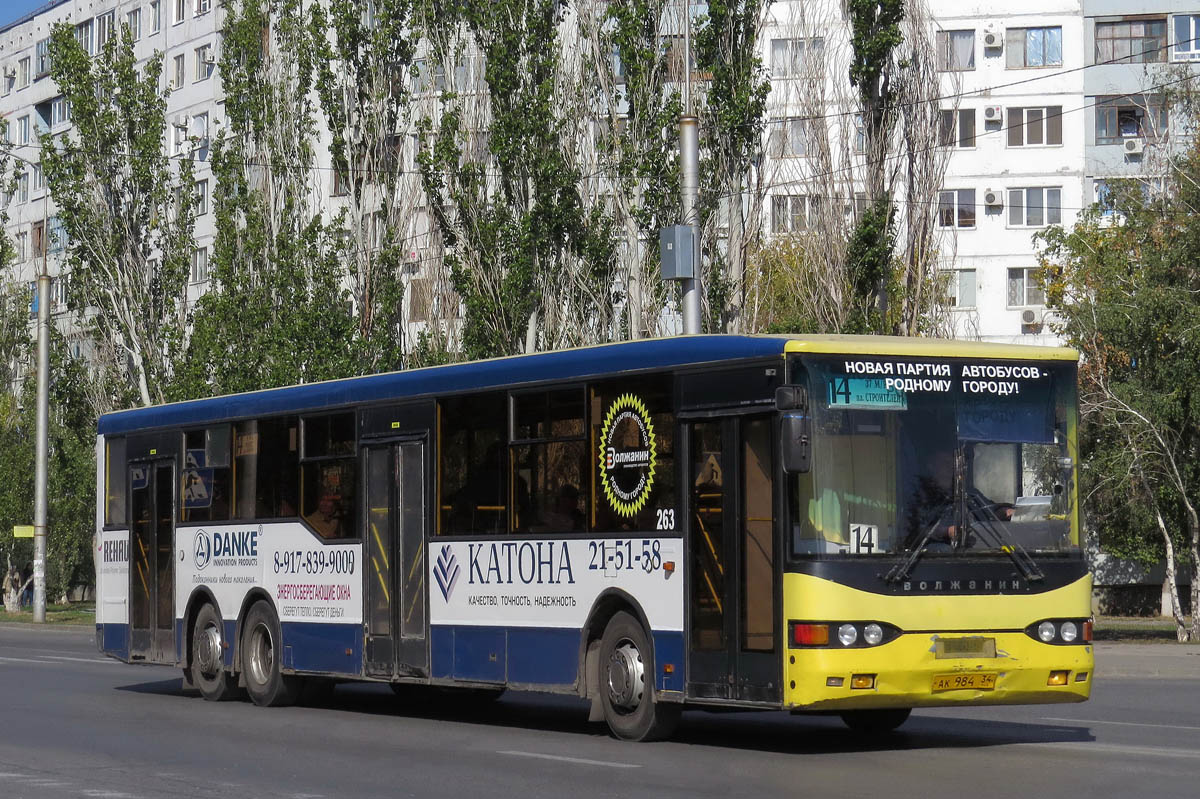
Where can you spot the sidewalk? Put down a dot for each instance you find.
(1162, 661)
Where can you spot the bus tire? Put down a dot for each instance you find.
(207, 667)
(626, 684)
(875, 722)
(261, 649)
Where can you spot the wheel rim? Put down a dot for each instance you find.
(262, 655)
(626, 677)
(208, 650)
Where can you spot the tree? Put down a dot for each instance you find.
(364, 59)
(532, 262)
(126, 211)
(1128, 295)
(277, 311)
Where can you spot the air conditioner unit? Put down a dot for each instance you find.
(993, 198)
(1031, 317)
(993, 113)
(210, 59)
(10, 71)
(182, 121)
(1134, 146)
(993, 36)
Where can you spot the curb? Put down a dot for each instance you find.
(48, 627)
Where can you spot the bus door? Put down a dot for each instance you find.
(733, 640)
(152, 549)
(394, 574)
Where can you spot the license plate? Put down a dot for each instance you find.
(975, 646)
(967, 681)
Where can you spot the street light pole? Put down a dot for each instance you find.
(40, 502)
(689, 167)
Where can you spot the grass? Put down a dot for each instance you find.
(75, 613)
(1138, 629)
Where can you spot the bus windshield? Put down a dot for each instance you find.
(937, 457)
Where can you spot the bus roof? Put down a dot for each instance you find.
(573, 364)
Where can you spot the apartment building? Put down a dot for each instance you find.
(1041, 104)
(185, 31)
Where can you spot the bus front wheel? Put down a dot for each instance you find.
(207, 669)
(876, 722)
(261, 650)
(627, 684)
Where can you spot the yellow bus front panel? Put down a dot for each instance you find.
(914, 670)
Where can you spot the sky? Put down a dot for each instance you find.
(11, 10)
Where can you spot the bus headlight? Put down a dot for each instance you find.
(847, 634)
(1046, 631)
(1061, 631)
(1068, 632)
(872, 633)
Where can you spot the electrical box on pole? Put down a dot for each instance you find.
(677, 252)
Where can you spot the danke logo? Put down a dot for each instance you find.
(445, 571)
(202, 549)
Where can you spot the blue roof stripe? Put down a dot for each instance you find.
(501, 372)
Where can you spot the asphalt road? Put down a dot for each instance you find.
(73, 724)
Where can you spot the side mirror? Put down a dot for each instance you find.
(791, 398)
(795, 446)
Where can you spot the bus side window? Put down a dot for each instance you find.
(328, 476)
(549, 462)
(205, 491)
(473, 465)
(114, 481)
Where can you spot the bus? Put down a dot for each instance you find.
(855, 526)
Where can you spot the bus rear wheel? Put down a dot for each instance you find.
(876, 722)
(266, 684)
(207, 669)
(627, 684)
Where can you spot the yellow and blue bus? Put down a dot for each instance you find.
(847, 525)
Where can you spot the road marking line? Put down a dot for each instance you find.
(1109, 749)
(1123, 723)
(580, 760)
(85, 660)
(101, 794)
(26, 660)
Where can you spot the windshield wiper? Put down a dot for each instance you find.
(998, 535)
(901, 570)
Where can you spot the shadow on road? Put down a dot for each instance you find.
(758, 731)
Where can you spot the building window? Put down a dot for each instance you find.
(180, 11)
(1034, 47)
(1186, 46)
(133, 21)
(60, 111)
(791, 137)
(179, 72)
(1135, 42)
(155, 16)
(10, 79)
(1034, 207)
(39, 180)
(960, 287)
(1121, 118)
(205, 62)
(955, 51)
(42, 58)
(58, 292)
(201, 197)
(1024, 287)
(23, 187)
(956, 208)
(106, 28)
(200, 134)
(83, 35)
(23, 130)
(789, 57)
(203, 6)
(179, 136)
(23, 72)
(793, 213)
(1035, 127)
(199, 264)
(22, 245)
(38, 238)
(958, 127)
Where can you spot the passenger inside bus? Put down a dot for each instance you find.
(327, 518)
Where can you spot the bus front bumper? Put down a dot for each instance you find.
(907, 672)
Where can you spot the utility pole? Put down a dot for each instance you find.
(43, 425)
(689, 168)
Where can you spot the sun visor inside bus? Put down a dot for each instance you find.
(161, 444)
(1025, 418)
